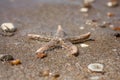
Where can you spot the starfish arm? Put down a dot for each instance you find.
(39, 37)
(50, 45)
(78, 39)
(70, 47)
(60, 32)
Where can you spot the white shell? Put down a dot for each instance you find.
(112, 4)
(95, 78)
(84, 45)
(96, 67)
(8, 27)
(84, 9)
(82, 28)
(89, 1)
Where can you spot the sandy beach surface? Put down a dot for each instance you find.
(36, 16)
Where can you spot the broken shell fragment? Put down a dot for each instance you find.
(84, 9)
(112, 3)
(41, 55)
(87, 4)
(6, 57)
(15, 62)
(8, 27)
(84, 45)
(96, 67)
(95, 78)
(89, 1)
(81, 28)
(44, 73)
(109, 14)
(114, 28)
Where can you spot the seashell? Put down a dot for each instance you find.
(15, 62)
(81, 28)
(109, 14)
(6, 57)
(84, 45)
(112, 3)
(8, 27)
(41, 55)
(95, 78)
(89, 1)
(84, 9)
(44, 73)
(96, 67)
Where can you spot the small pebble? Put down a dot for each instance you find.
(8, 27)
(41, 55)
(104, 24)
(6, 57)
(7, 34)
(112, 3)
(87, 5)
(89, 1)
(15, 62)
(117, 34)
(114, 50)
(109, 14)
(55, 75)
(82, 28)
(84, 9)
(114, 28)
(84, 45)
(96, 67)
(94, 78)
(111, 26)
(44, 73)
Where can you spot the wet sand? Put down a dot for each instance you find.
(36, 16)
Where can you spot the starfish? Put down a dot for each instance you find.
(60, 39)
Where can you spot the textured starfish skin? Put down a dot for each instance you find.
(60, 39)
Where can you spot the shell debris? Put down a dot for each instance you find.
(95, 78)
(41, 55)
(44, 73)
(112, 3)
(6, 57)
(84, 45)
(8, 27)
(86, 6)
(84, 9)
(96, 67)
(15, 62)
(81, 28)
